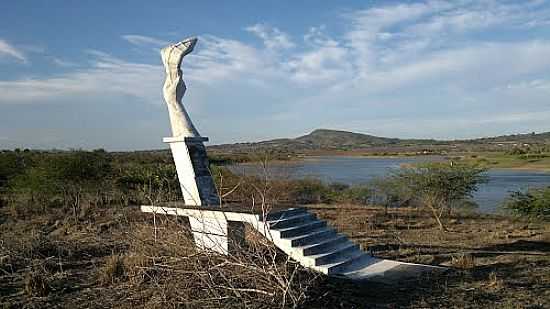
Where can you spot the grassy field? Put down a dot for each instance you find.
(503, 160)
(118, 257)
(499, 160)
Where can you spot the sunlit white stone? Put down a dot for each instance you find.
(187, 146)
(174, 87)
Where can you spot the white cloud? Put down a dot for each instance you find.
(144, 40)
(63, 63)
(317, 37)
(371, 25)
(538, 84)
(468, 66)
(106, 75)
(272, 37)
(451, 126)
(216, 60)
(325, 64)
(460, 20)
(517, 117)
(384, 49)
(9, 50)
(389, 60)
(225, 59)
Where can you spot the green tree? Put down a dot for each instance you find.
(441, 186)
(392, 191)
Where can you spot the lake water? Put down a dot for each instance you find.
(360, 170)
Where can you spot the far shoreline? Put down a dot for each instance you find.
(495, 165)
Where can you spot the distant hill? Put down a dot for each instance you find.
(323, 138)
(533, 138)
(334, 140)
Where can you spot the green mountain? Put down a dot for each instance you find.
(334, 140)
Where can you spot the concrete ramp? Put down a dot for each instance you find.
(307, 240)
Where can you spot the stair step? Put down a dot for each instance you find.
(358, 258)
(290, 221)
(313, 237)
(287, 213)
(324, 246)
(357, 269)
(301, 229)
(339, 254)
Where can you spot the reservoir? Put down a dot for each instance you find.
(361, 170)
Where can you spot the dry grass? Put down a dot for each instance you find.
(494, 282)
(112, 271)
(36, 283)
(119, 258)
(257, 276)
(463, 261)
(497, 261)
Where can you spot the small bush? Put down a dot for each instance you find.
(313, 191)
(356, 195)
(309, 191)
(533, 203)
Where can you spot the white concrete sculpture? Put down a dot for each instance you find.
(295, 231)
(174, 87)
(189, 153)
(186, 144)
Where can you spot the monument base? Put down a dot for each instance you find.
(218, 235)
(213, 229)
(194, 175)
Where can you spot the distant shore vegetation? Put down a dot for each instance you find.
(31, 181)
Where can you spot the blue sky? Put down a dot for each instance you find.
(87, 74)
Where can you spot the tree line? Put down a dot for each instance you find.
(35, 181)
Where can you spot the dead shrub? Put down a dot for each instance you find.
(37, 283)
(463, 261)
(21, 210)
(139, 268)
(163, 261)
(18, 249)
(112, 271)
(494, 282)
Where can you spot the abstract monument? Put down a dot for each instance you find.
(189, 153)
(296, 231)
(186, 144)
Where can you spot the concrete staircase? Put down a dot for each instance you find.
(315, 245)
(298, 233)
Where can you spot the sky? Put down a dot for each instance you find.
(88, 74)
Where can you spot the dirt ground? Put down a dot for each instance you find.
(495, 261)
(101, 259)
